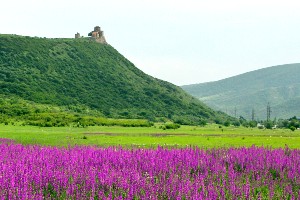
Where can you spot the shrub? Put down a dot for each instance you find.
(236, 123)
(268, 125)
(172, 126)
(227, 123)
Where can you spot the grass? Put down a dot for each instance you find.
(209, 136)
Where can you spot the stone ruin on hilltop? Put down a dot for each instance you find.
(96, 35)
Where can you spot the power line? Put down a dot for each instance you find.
(235, 112)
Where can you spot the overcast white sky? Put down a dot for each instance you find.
(180, 41)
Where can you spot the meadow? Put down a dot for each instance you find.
(113, 162)
(209, 136)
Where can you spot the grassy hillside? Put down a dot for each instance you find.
(279, 85)
(80, 72)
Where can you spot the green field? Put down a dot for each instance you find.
(208, 136)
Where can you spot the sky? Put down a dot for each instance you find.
(182, 42)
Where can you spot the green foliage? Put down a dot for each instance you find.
(189, 120)
(292, 128)
(13, 109)
(268, 124)
(252, 124)
(169, 126)
(227, 123)
(236, 123)
(172, 126)
(202, 122)
(275, 174)
(49, 191)
(85, 76)
(292, 123)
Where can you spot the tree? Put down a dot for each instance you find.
(252, 124)
(268, 124)
(227, 123)
(236, 123)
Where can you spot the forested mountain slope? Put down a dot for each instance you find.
(81, 72)
(279, 85)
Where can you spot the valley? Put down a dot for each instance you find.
(210, 136)
(80, 121)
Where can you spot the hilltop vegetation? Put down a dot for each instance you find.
(279, 85)
(79, 73)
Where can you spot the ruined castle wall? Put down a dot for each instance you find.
(101, 40)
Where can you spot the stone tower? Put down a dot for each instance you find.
(97, 35)
(97, 29)
(77, 35)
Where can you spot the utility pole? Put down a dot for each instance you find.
(268, 112)
(253, 114)
(235, 112)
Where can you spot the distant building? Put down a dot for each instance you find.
(260, 126)
(98, 35)
(77, 35)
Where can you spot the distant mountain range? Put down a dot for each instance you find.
(240, 95)
(81, 72)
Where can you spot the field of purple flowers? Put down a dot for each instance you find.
(37, 172)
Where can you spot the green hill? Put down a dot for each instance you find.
(82, 73)
(279, 85)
